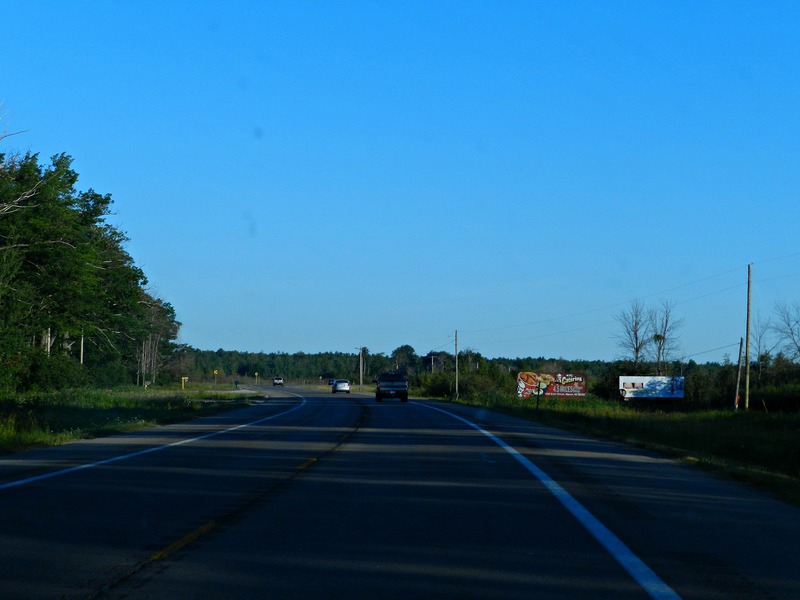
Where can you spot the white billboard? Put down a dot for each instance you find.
(650, 387)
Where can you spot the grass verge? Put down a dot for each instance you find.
(55, 418)
(753, 447)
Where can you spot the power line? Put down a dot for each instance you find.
(685, 356)
(614, 305)
(549, 334)
(573, 316)
(651, 295)
(774, 258)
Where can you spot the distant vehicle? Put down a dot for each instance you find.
(391, 385)
(277, 381)
(340, 385)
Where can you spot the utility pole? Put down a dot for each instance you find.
(456, 364)
(361, 366)
(747, 342)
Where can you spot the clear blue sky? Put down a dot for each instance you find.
(318, 176)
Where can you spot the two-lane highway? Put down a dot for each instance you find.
(339, 497)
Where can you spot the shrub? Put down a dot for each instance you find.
(50, 372)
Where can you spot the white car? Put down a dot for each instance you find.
(340, 385)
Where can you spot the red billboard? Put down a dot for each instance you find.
(550, 384)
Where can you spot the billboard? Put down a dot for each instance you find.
(550, 384)
(650, 387)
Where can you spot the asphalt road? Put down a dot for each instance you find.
(339, 497)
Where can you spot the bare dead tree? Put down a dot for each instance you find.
(764, 342)
(17, 203)
(787, 327)
(663, 326)
(7, 166)
(161, 327)
(4, 133)
(636, 335)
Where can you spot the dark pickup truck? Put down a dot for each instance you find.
(391, 385)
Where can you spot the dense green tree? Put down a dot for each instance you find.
(67, 285)
(406, 360)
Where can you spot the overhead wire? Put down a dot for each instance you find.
(609, 306)
(573, 316)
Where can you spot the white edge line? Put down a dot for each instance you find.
(644, 575)
(21, 482)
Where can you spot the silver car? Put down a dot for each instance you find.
(340, 385)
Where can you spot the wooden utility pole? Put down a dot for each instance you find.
(747, 342)
(456, 364)
(361, 366)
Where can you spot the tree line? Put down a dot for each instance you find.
(775, 383)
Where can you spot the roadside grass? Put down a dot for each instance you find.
(53, 418)
(753, 447)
